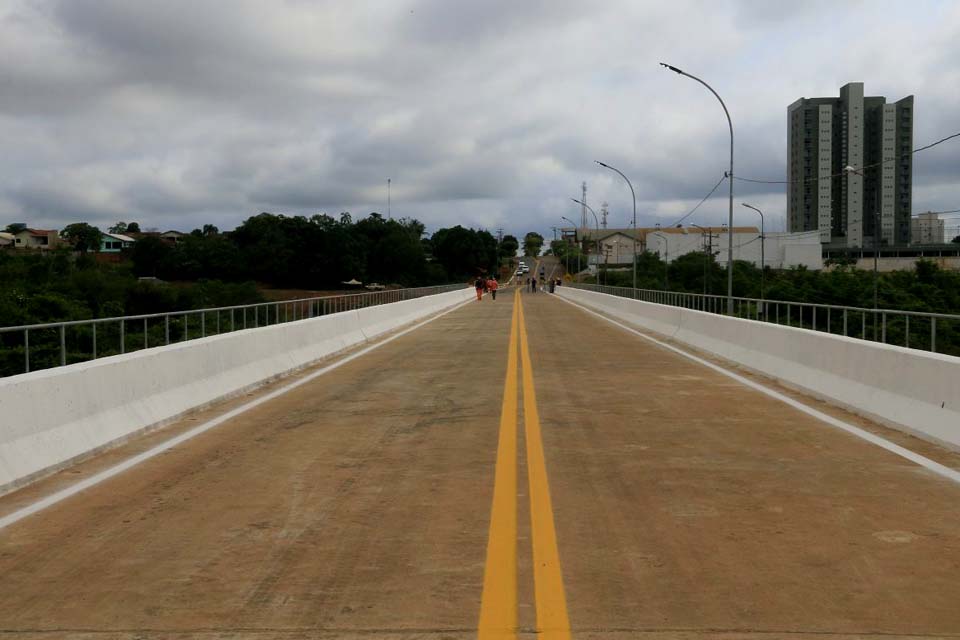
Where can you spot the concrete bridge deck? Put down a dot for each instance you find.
(513, 468)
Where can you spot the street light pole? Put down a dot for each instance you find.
(729, 177)
(634, 222)
(596, 222)
(578, 253)
(666, 259)
(703, 240)
(763, 241)
(876, 247)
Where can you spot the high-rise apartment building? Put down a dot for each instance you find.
(826, 135)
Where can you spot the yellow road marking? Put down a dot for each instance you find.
(498, 605)
(552, 620)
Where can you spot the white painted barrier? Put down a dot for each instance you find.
(908, 389)
(49, 418)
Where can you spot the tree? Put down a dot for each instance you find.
(133, 227)
(82, 236)
(120, 227)
(210, 230)
(532, 243)
(16, 227)
(956, 240)
(508, 246)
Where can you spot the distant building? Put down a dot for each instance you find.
(115, 242)
(37, 239)
(826, 135)
(927, 228)
(172, 236)
(780, 250)
(7, 239)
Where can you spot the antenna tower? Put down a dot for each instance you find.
(604, 212)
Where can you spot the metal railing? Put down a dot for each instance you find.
(32, 347)
(937, 332)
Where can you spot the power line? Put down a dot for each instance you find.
(842, 173)
(691, 212)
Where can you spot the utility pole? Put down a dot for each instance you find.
(583, 207)
(388, 199)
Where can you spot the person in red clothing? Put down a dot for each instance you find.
(479, 285)
(492, 287)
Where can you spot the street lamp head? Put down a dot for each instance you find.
(671, 67)
(602, 164)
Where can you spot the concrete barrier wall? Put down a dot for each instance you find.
(912, 390)
(50, 417)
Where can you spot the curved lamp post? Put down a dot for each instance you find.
(596, 222)
(763, 241)
(706, 258)
(578, 253)
(634, 222)
(666, 258)
(729, 177)
(876, 241)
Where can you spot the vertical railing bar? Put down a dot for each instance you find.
(63, 344)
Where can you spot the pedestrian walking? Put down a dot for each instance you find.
(492, 286)
(478, 285)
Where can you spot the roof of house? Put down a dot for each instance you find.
(40, 232)
(119, 236)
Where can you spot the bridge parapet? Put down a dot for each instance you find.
(908, 389)
(51, 417)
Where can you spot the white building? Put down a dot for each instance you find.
(927, 228)
(780, 250)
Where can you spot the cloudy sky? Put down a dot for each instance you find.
(483, 113)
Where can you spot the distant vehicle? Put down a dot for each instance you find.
(519, 272)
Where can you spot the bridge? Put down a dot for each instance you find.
(562, 465)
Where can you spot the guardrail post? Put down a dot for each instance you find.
(123, 345)
(218, 322)
(863, 329)
(145, 342)
(256, 316)
(26, 350)
(203, 325)
(829, 324)
(186, 327)
(933, 334)
(166, 327)
(245, 318)
(94, 340)
(232, 325)
(844, 322)
(63, 345)
(814, 314)
(884, 328)
(907, 343)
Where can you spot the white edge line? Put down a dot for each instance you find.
(923, 461)
(106, 474)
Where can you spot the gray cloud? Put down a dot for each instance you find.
(483, 113)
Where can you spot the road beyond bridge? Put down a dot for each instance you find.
(516, 468)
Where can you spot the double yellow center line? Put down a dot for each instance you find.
(498, 606)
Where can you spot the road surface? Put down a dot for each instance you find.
(516, 468)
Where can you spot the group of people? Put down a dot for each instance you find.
(490, 285)
(532, 284)
(486, 285)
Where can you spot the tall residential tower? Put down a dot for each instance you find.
(825, 135)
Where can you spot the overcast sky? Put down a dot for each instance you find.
(487, 113)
